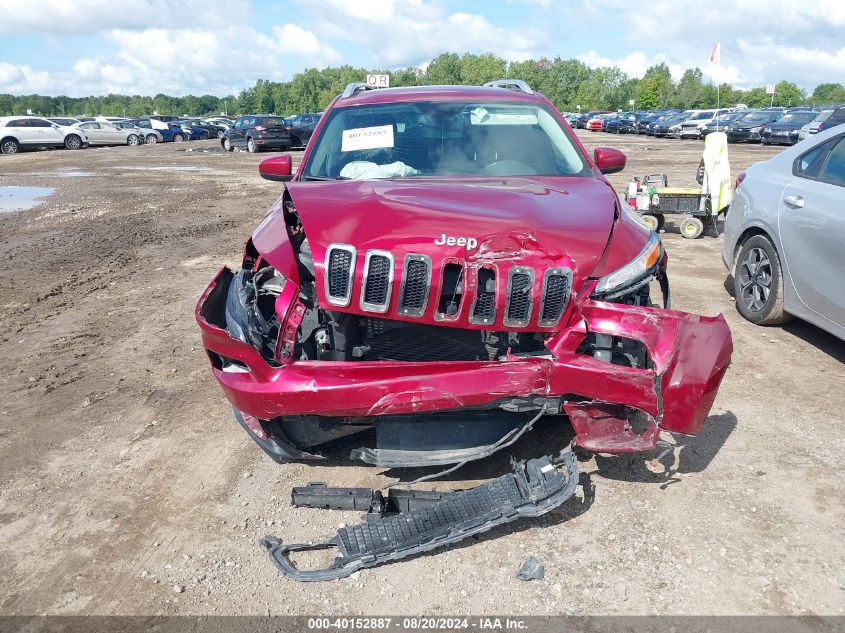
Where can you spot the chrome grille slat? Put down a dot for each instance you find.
(557, 286)
(518, 303)
(416, 285)
(378, 281)
(339, 273)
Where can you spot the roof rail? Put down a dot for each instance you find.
(517, 85)
(351, 89)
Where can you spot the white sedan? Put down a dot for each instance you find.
(105, 133)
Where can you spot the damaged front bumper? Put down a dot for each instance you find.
(533, 488)
(612, 407)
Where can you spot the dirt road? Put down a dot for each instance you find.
(126, 488)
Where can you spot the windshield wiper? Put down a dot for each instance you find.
(324, 178)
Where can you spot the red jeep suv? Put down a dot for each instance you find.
(447, 265)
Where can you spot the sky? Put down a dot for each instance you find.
(179, 47)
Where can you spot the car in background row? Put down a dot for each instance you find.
(104, 133)
(785, 130)
(302, 127)
(148, 134)
(826, 119)
(63, 121)
(255, 132)
(718, 124)
(669, 125)
(784, 235)
(749, 128)
(26, 132)
(694, 126)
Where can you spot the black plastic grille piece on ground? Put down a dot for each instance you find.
(533, 488)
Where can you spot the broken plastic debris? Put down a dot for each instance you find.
(531, 570)
(533, 488)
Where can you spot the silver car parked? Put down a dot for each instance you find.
(785, 235)
(105, 133)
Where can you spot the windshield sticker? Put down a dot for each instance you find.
(367, 138)
(483, 116)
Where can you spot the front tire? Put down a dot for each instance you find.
(227, 145)
(151, 139)
(251, 147)
(178, 138)
(133, 139)
(72, 141)
(204, 136)
(758, 283)
(10, 146)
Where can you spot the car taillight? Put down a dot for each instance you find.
(821, 126)
(739, 180)
(261, 128)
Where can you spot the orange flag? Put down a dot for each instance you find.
(714, 56)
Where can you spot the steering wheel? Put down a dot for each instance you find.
(508, 168)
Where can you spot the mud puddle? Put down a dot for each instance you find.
(14, 198)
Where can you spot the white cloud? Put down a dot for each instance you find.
(411, 32)
(93, 16)
(763, 41)
(178, 62)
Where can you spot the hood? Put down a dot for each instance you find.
(789, 125)
(536, 222)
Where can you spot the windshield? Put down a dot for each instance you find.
(701, 116)
(823, 116)
(443, 139)
(756, 117)
(798, 118)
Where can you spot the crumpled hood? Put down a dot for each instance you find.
(508, 219)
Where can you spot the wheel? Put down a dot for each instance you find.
(251, 146)
(204, 136)
(758, 283)
(651, 222)
(151, 139)
(72, 141)
(9, 146)
(178, 138)
(133, 139)
(691, 228)
(220, 133)
(295, 142)
(227, 145)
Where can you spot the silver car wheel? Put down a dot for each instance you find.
(151, 139)
(133, 139)
(755, 280)
(9, 147)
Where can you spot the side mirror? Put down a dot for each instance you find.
(277, 168)
(609, 160)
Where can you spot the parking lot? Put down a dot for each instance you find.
(126, 487)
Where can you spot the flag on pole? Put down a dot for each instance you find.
(714, 56)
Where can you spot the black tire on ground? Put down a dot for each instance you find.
(133, 139)
(295, 142)
(9, 146)
(220, 133)
(251, 146)
(72, 141)
(151, 139)
(691, 227)
(204, 136)
(758, 283)
(661, 220)
(227, 145)
(178, 138)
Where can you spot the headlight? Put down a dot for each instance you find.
(768, 130)
(634, 274)
(757, 129)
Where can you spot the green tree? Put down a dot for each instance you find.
(828, 93)
(444, 70)
(475, 70)
(787, 94)
(690, 89)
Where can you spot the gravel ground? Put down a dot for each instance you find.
(126, 488)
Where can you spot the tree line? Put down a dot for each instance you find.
(569, 83)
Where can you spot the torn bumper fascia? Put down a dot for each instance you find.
(689, 354)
